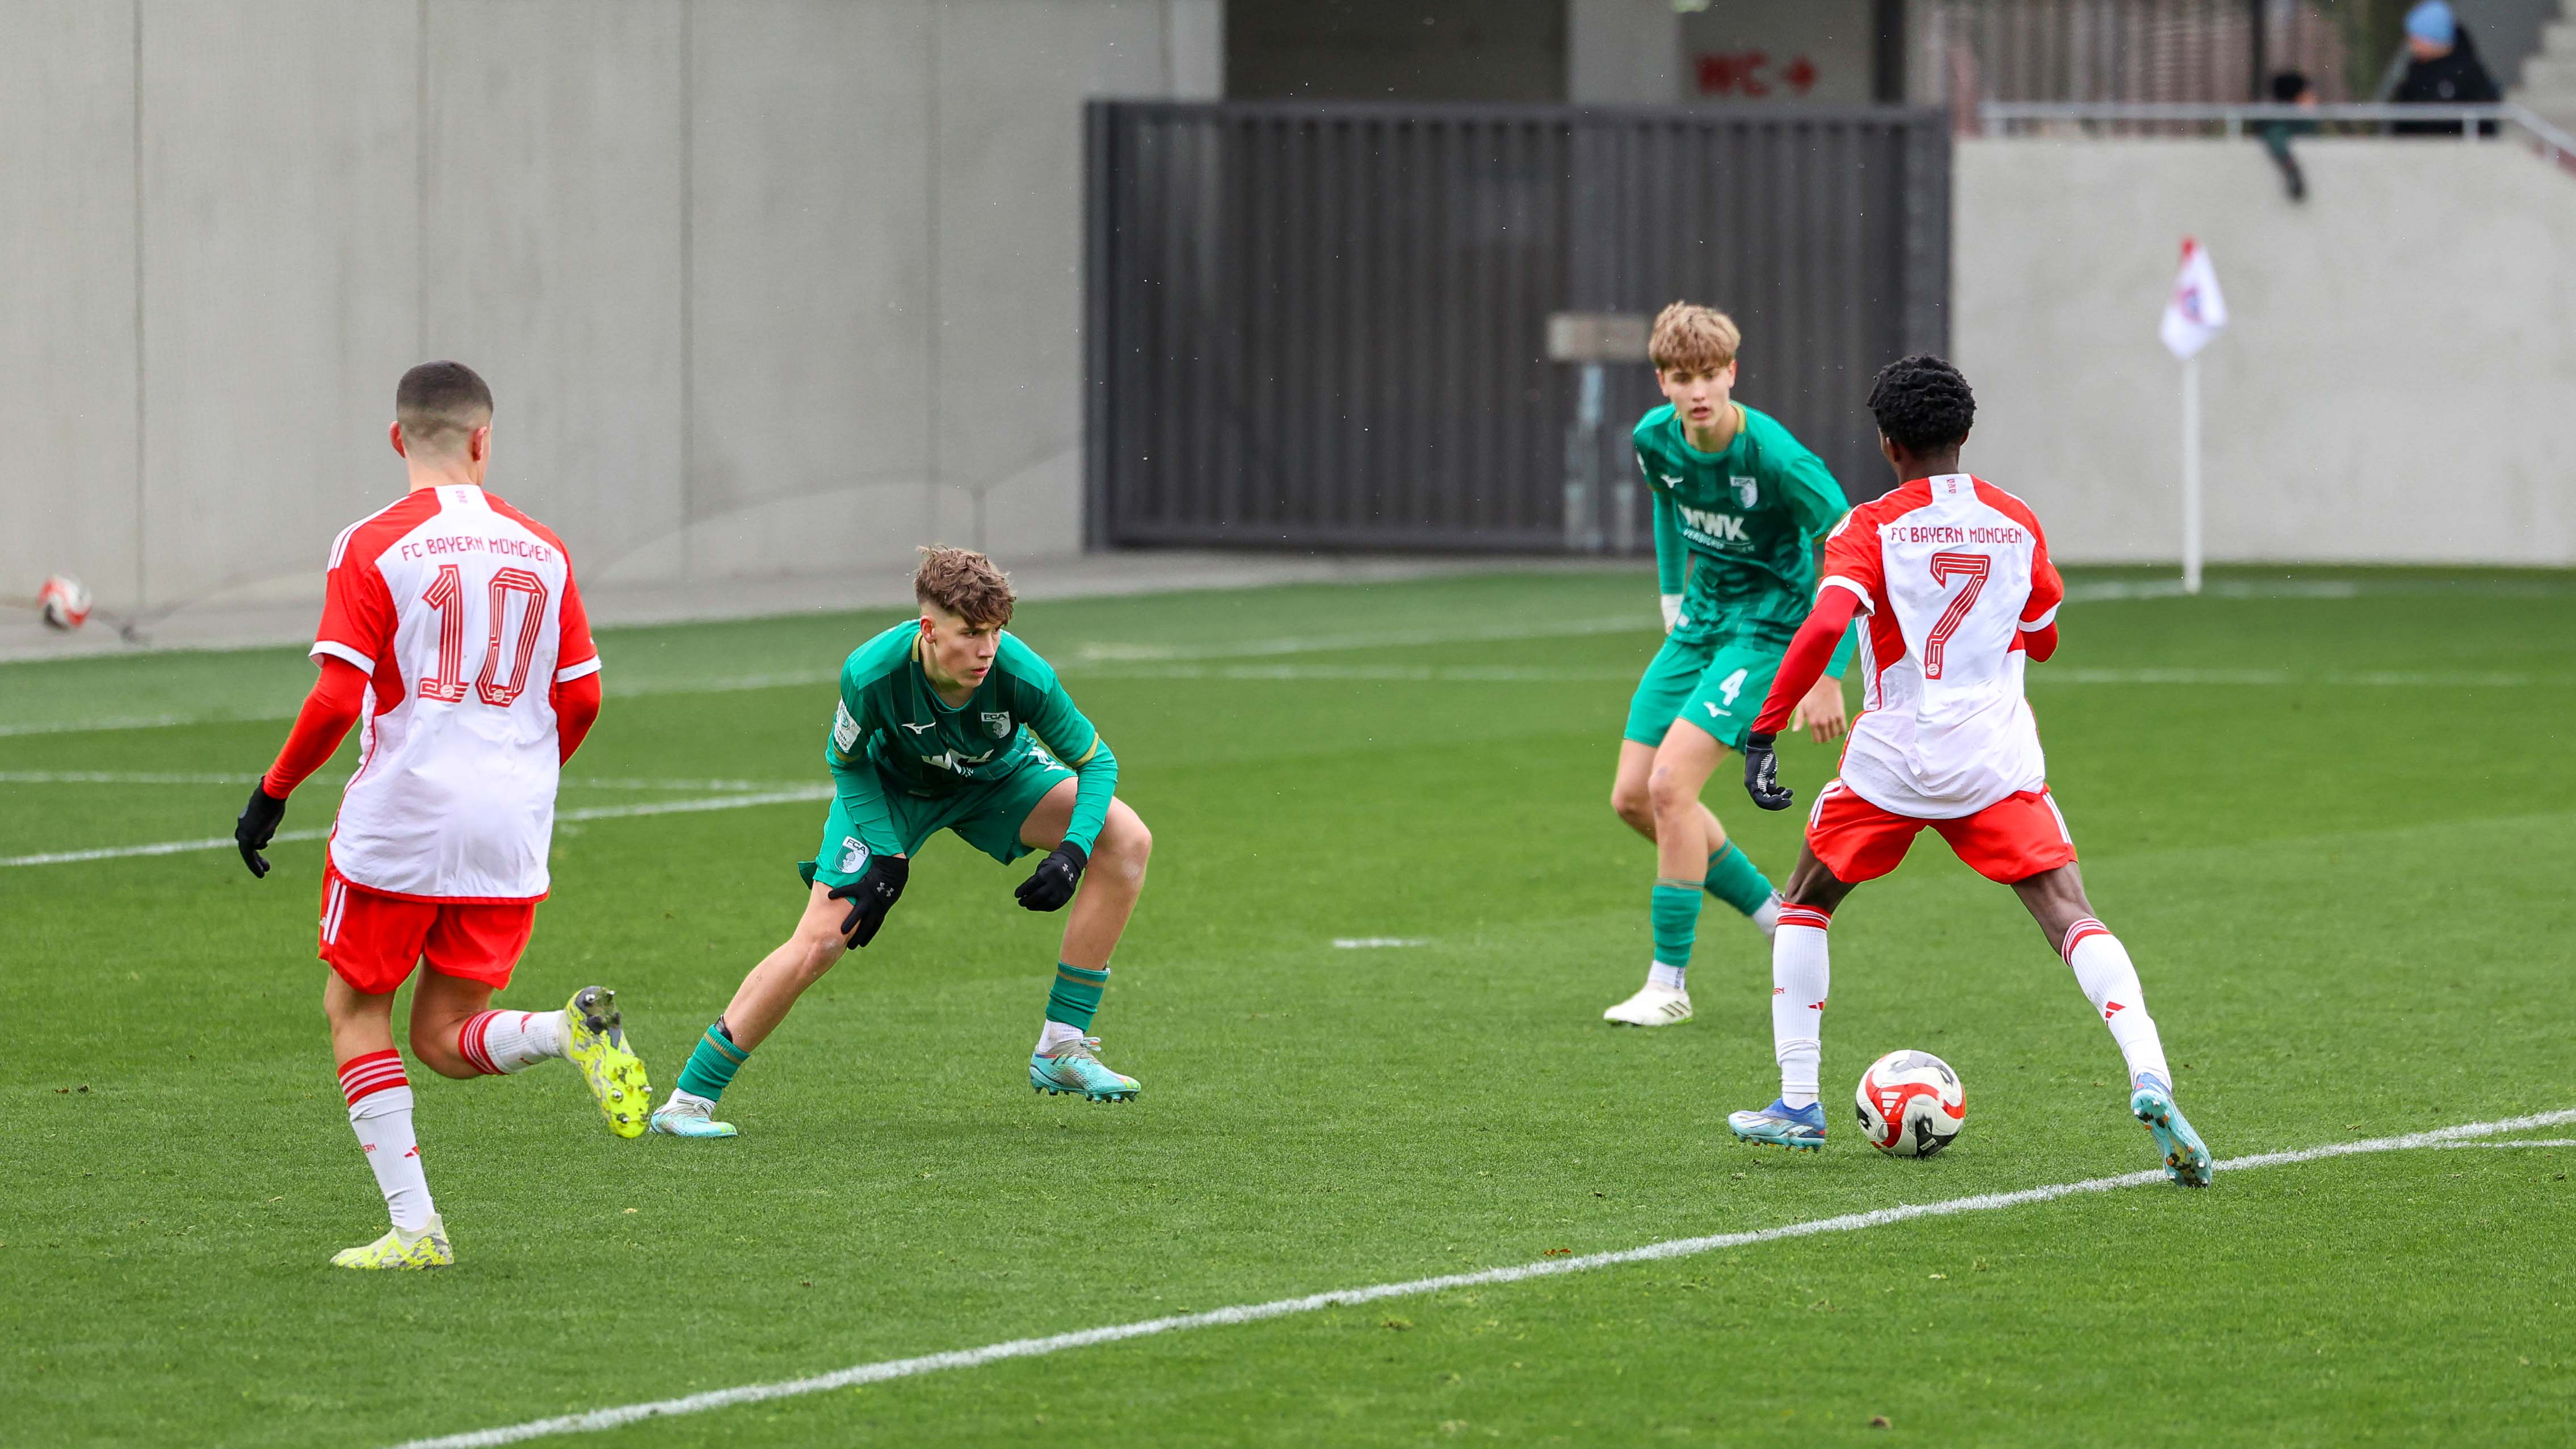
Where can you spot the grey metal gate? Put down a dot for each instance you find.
(1324, 325)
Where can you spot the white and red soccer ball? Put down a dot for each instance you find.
(1911, 1104)
(64, 602)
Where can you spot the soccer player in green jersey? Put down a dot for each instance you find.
(948, 723)
(1740, 507)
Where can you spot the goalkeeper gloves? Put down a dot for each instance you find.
(256, 826)
(871, 896)
(1762, 774)
(1672, 611)
(1051, 884)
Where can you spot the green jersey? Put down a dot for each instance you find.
(892, 730)
(1736, 531)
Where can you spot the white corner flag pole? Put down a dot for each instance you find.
(2191, 474)
(2194, 315)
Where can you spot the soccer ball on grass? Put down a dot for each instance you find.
(1911, 1104)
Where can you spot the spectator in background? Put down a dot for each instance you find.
(2290, 88)
(2441, 69)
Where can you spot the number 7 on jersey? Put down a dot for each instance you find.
(1972, 567)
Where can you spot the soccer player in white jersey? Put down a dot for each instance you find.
(1951, 579)
(452, 628)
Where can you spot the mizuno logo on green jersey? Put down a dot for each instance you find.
(1727, 527)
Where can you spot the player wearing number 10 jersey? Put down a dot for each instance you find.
(1951, 579)
(451, 626)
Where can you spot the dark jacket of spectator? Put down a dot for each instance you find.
(2453, 78)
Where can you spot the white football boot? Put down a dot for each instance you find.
(1652, 1006)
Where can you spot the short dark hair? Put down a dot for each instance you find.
(1921, 402)
(2289, 85)
(440, 403)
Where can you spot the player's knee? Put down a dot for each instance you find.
(1632, 803)
(1126, 848)
(1670, 794)
(433, 1045)
(816, 951)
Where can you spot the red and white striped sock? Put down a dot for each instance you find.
(2102, 968)
(1799, 976)
(499, 1042)
(380, 1112)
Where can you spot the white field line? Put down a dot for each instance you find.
(162, 777)
(1374, 943)
(870, 1373)
(595, 812)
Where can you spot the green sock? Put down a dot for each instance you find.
(1676, 922)
(1075, 995)
(712, 1065)
(1733, 879)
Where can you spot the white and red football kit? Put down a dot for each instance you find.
(1952, 580)
(452, 627)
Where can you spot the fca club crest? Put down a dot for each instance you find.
(1746, 490)
(997, 725)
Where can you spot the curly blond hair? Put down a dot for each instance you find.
(965, 583)
(1693, 338)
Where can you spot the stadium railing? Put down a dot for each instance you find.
(2134, 118)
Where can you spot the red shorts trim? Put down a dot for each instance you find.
(373, 940)
(2013, 839)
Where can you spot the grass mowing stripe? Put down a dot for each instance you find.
(599, 1419)
(165, 777)
(596, 812)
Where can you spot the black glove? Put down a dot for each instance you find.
(1762, 774)
(257, 826)
(871, 896)
(1051, 884)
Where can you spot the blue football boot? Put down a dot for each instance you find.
(1800, 1129)
(2186, 1158)
(1072, 1066)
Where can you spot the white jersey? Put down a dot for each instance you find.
(1950, 572)
(462, 611)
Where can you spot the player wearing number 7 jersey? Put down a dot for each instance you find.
(452, 628)
(1952, 583)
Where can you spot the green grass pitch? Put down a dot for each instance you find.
(2331, 814)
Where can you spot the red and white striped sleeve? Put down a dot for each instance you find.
(1853, 560)
(358, 620)
(575, 654)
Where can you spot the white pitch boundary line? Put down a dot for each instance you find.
(870, 1373)
(164, 777)
(595, 812)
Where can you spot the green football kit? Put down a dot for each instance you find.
(906, 764)
(1736, 533)
(1735, 537)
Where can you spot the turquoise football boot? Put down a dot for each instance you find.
(1800, 1129)
(686, 1116)
(2186, 1158)
(1071, 1066)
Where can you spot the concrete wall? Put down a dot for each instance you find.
(2403, 346)
(763, 286)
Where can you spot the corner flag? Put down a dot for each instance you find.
(2197, 311)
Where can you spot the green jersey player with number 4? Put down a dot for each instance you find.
(1740, 508)
(947, 723)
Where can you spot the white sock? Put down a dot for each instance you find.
(513, 1041)
(1799, 976)
(1055, 1033)
(380, 1113)
(1766, 916)
(1668, 977)
(2102, 968)
(691, 1099)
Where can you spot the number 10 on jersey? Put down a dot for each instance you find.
(446, 594)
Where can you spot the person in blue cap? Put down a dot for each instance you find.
(2442, 69)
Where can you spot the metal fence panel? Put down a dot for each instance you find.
(1324, 325)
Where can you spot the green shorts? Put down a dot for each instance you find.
(987, 814)
(1718, 684)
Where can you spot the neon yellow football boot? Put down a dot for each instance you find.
(595, 1040)
(427, 1249)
